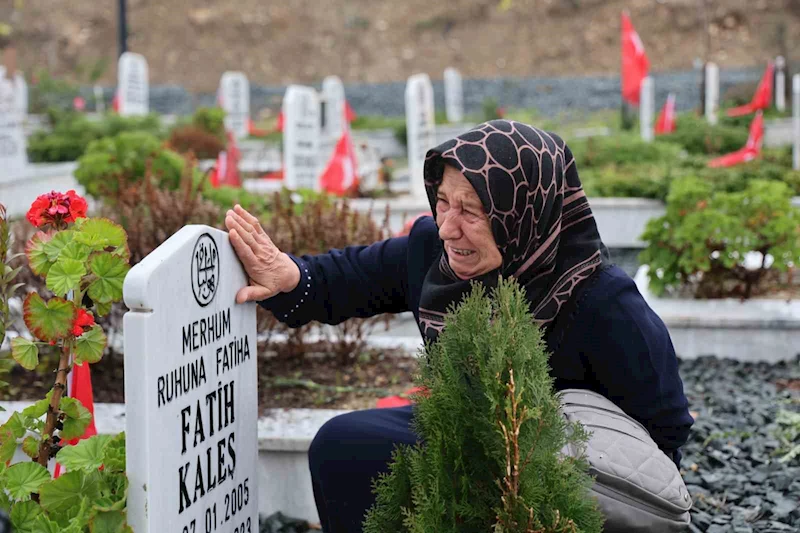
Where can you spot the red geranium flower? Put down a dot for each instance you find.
(83, 321)
(57, 209)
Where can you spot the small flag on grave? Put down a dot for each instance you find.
(666, 118)
(634, 61)
(750, 151)
(762, 97)
(340, 175)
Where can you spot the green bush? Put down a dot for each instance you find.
(597, 152)
(649, 180)
(488, 395)
(72, 132)
(112, 164)
(700, 244)
(226, 197)
(696, 136)
(210, 120)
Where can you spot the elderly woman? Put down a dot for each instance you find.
(507, 202)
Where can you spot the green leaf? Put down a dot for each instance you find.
(34, 250)
(109, 522)
(101, 308)
(45, 525)
(54, 246)
(30, 446)
(110, 271)
(77, 418)
(48, 321)
(22, 479)
(75, 250)
(114, 454)
(65, 276)
(89, 346)
(63, 497)
(86, 455)
(99, 233)
(16, 424)
(8, 445)
(38, 409)
(25, 352)
(24, 516)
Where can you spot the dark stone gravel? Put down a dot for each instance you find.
(729, 464)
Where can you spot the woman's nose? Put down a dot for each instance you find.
(449, 228)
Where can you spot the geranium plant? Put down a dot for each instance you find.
(84, 262)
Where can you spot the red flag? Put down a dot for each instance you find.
(340, 175)
(281, 120)
(79, 386)
(634, 61)
(115, 102)
(750, 151)
(408, 225)
(349, 114)
(666, 118)
(226, 171)
(401, 400)
(254, 131)
(762, 97)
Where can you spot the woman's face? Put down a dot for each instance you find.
(464, 227)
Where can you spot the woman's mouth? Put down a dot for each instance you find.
(461, 252)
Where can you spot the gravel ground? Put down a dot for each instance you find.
(730, 464)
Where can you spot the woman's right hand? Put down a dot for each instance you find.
(269, 270)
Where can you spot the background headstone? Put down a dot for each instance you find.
(420, 128)
(453, 95)
(301, 138)
(334, 116)
(712, 92)
(13, 152)
(234, 89)
(191, 394)
(647, 109)
(780, 84)
(133, 85)
(796, 121)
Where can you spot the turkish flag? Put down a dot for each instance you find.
(340, 175)
(666, 118)
(762, 97)
(349, 114)
(401, 400)
(281, 120)
(750, 151)
(226, 171)
(79, 386)
(254, 131)
(634, 61)
(115, 102)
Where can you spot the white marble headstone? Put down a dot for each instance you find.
(453, 95)
(334, 113)
(647, 103)
(13, 151)
(796, 122)
(234, 89)
(191, 389)
(780, 84)
(420, 128)
(301, 138)
(133, 84)
(712, 92)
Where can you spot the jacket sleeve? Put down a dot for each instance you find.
(357, 281)
(635, 366)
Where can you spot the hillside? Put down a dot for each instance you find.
(191, 42)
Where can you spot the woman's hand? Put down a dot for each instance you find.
(270, 270)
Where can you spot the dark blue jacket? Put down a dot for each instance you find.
(606, 339)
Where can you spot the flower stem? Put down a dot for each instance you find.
(45, 446)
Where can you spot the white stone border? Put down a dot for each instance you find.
(759, 329)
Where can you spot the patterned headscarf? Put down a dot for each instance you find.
(528, 184)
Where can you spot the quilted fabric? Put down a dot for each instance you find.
(623, 456)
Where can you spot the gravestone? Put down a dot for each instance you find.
(796, 122)
(335, 121)
(234, 89)
(647, 109)
(133, 85)
(190, 389)
(780, 84)
(301, 138)
(420, 129)
(453, 95)
(13, 152)
(712, 92)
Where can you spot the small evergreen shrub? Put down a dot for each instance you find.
(624, 149)
(191, 139)
(697, 136)
(492, 431)
(700, 245)
(210, 120)
(113, 164)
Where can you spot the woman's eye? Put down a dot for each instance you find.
(441, 201)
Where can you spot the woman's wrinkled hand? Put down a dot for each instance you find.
(270, 270)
